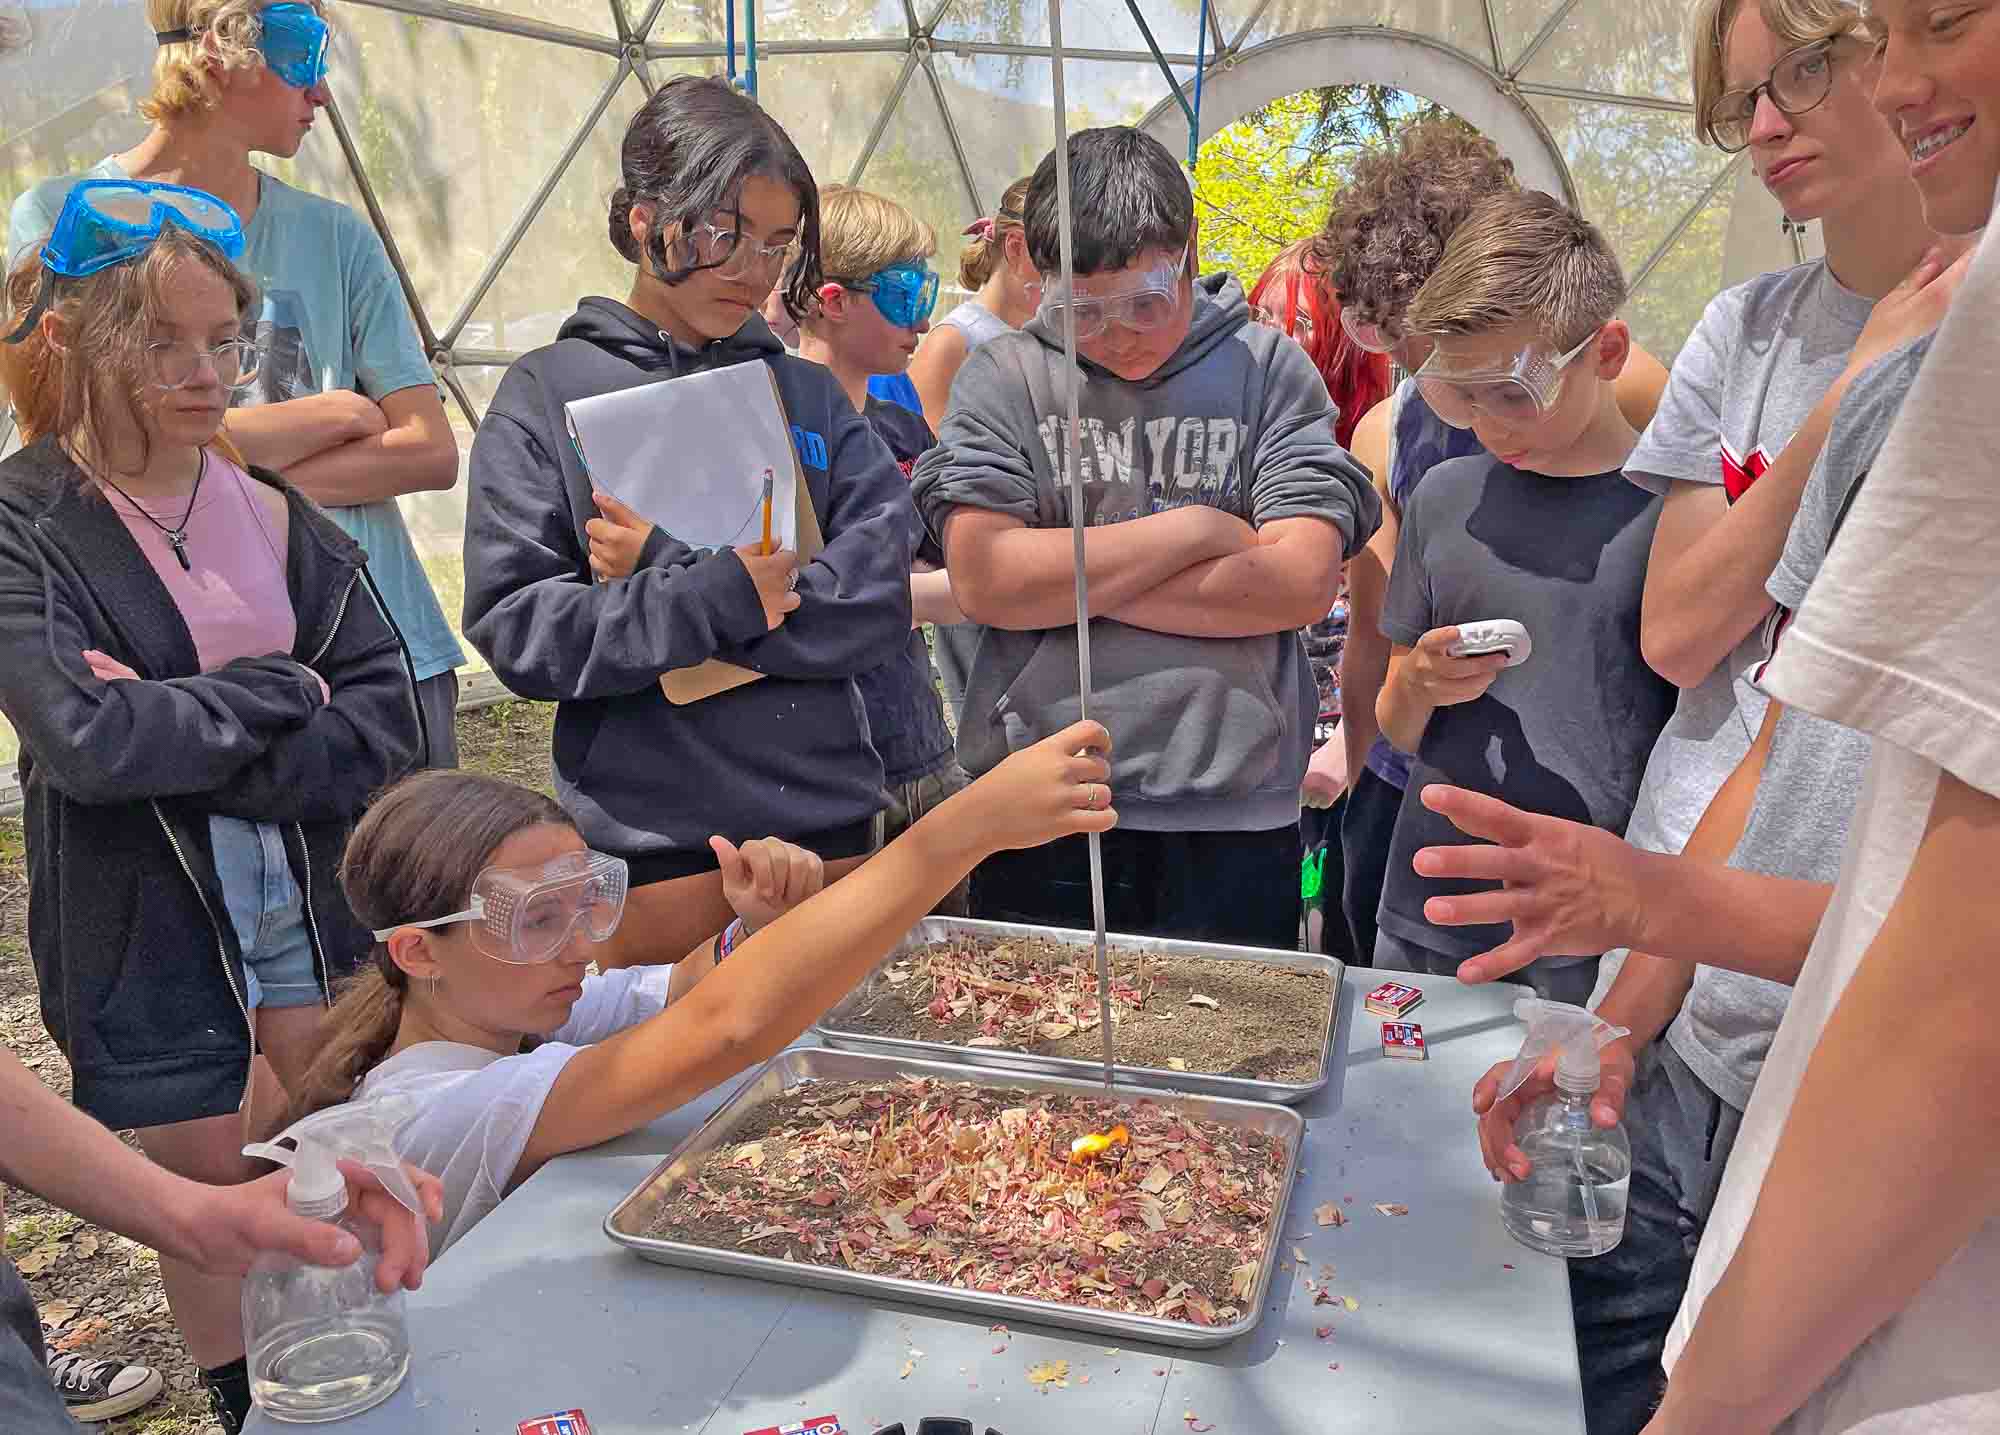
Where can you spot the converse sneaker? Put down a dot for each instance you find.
(94, 1389)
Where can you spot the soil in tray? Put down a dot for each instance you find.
(1268, 1023)
(974, 1187)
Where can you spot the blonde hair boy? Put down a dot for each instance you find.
(861, 233)
(223, 33)
(1793, 22)
(1522, 258)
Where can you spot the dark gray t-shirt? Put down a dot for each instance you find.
(1812, 778)
(1566, 733)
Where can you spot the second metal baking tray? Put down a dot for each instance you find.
(997, 1058)
(630, 1220)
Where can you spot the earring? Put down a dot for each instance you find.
(434, 988)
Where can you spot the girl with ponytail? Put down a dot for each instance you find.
(487, 907)
(1005, 290)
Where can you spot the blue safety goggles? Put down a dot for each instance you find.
(292, 39)
(906, 294)
(112, 221)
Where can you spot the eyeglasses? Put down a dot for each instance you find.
(113, 221)
(905, 294)
(175, 363)
(1143, 303)
(1521, 391)
(525, 915)
(730, 253)
(1302, 323)
(1797, 84)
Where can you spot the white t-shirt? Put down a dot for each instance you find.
(478, 1108)
(1919, 544)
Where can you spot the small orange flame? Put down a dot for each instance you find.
(1097, 1143)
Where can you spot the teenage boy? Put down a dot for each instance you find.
(875, 305)
(345, 405)
(1541, 530)
(1220, 509)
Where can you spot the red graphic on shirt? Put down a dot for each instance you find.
(1739, 473)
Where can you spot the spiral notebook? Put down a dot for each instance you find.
(690, 454)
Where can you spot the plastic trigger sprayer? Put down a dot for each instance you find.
(1573, 1201)
(323, 1342)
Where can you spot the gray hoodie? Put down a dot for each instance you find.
(1212, 733)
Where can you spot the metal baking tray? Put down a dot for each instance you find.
(995, 1058)
(628, 1222)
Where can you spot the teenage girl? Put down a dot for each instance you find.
(715, 199)
(205, 690)
(515, 1054)
(1005, 290)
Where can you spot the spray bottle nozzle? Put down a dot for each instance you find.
(1575, 1034)
(362, 1131)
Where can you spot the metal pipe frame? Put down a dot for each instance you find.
(1666, 246)
(1542, 37)
(881, 126)
(1166, 72)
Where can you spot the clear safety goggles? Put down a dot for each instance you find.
(292, 38)
(1520, 392)
(905, 294)
(112, 221)
(1409, 350)
(1144, 302)
(525, 915)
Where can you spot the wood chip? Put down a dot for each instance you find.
(1197, 999)
(1049, 1373)
(1176, 1063)
(1392, 1208)
(1328, 1214)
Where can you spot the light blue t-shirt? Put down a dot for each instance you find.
(333, 318)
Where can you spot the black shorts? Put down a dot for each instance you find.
(646, 868)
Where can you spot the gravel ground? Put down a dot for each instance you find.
(101, 1292)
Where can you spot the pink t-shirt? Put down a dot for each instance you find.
(233, 596)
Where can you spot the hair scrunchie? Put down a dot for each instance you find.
(983, 227)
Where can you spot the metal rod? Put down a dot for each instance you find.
(1166, 70)
(951, 134)
(1215, 34)
(1542, 37)
(1041, 52)
(882, 120)
(729, 37)
(713, 49)
(1591, 97)
(1493, 36)
(450, 381)
(1255, 15)
(1073, 472)
(531, 211)
(1200, 64)
(750, 47)
(381, 222)
(1687, 220)
(476, 18)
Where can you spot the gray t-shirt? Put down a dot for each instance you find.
(1805, 798)
(1565, 733)
(1763, 355)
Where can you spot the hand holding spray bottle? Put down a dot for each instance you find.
(325, 1343)
(1573, 1201)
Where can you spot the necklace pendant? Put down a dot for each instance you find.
(178, 540)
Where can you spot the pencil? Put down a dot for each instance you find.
(766, 549)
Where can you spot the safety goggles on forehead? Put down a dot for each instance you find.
(1141, 302)
(1525, 389)
(292, 39)
(525, 915)
(906, 294)
(112, 221)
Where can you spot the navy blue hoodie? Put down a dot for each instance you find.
(787, 756)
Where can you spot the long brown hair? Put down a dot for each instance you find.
(98, 379)
(413, 856)
(988, 249)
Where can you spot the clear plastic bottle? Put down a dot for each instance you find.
(1573, 1202)
(324, 1343)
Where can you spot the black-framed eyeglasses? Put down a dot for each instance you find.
(1797, 84)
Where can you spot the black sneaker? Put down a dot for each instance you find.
(94, 1389)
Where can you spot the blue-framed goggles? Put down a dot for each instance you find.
(293, 40)
(113, 221)
(906, 294)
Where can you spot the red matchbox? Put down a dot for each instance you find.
(1404, 1040)
(1392, 999)
(563, 1422)
(818, 1425)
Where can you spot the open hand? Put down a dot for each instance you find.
(617, 537)
(1058, 787)
(1507, 1162)
(1326, 774)
(108, 668)
(1569, 890)
(1437, 678)
(764, 879)
(776, 576)
(1914, 307)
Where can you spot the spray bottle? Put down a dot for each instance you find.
(325, 1343)
(1573, 1202)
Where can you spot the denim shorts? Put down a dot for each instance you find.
(267, 912)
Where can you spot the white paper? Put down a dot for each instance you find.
(690, 455)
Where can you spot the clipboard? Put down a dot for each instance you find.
(704, 680)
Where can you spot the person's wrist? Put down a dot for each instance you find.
(732, 936)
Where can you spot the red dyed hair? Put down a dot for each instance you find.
(1356, 379)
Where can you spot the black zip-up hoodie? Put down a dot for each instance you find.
(140, 972)
(787, 756)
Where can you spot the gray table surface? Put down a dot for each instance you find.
(1458, 1327)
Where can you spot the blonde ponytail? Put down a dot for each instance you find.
(988, 249)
